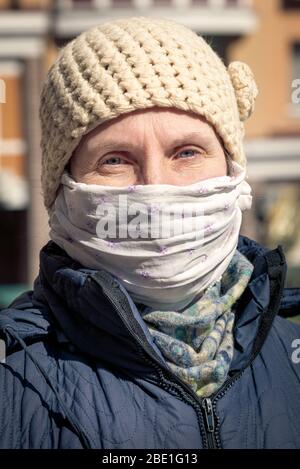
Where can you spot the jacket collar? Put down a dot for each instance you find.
(94, 312)
(91, 310)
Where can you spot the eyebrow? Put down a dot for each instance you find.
(112, 144)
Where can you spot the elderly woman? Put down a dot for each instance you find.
(152, 323)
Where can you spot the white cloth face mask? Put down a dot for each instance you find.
(165, 243)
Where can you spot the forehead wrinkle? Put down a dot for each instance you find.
(112, 144)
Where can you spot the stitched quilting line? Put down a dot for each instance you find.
(133, 431)
(265, 430)
(267, 391)
(53, 364)
(25, 430)
(84, 412)
(155, 433)
(55, 360)
(42, 371)
(247, 424)
(177, 425)
(47, 432)
(12, 428)
(86, 400)
(6, 368)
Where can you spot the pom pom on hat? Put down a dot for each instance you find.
(245, 88)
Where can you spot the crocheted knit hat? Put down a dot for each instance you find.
(135, 63)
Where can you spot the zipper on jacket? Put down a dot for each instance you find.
(174, 381)
(205, 407)
(209, 421)
(211, 438)
(206, 413)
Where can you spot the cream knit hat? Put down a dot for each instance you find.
(137, 63)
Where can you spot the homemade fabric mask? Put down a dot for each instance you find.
(161, 268)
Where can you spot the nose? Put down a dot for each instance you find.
(154, 170)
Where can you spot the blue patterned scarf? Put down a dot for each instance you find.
(197, 343)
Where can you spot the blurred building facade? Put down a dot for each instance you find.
(263, 33)
(273, 133)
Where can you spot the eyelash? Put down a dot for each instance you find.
(201, 153)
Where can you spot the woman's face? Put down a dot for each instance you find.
(149, 146)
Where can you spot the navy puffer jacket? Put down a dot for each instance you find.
(82, 370)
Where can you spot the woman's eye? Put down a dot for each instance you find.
(113, 158)
(190, 150)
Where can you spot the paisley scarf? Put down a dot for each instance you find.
(197, 342)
